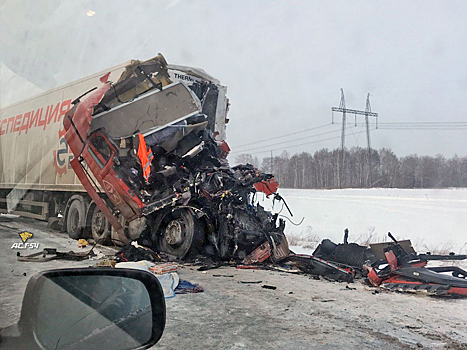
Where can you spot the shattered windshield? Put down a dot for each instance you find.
(291, 167)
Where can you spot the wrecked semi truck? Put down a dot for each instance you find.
(147, 160)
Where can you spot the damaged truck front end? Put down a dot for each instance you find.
(150, 153)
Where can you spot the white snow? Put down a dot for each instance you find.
(301, 250)
(431, 218)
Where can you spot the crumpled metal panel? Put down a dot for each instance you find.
(155, 108)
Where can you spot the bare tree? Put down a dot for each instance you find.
(322, 169)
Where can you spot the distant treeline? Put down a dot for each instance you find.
(351, 169)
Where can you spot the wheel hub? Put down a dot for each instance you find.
(173, 233)
(98, 222)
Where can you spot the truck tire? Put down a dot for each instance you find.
(76, 219)
(183, 236)
(100, 227)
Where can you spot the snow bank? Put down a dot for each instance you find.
(434, 219)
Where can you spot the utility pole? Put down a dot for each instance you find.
(367, 113)
(340, 161)
(272, 166)
(368, 110)
(342, 108)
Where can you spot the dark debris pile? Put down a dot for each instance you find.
(196, 204)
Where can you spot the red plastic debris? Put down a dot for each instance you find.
(392, 260)
(247, 267)
(268, 187)
(225, 149)
(105, 78)
(373, 278)
(259, 254)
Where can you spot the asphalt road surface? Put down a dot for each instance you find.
(302, 313)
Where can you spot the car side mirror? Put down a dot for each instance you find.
(89, 308)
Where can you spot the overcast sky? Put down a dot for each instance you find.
(283, 62)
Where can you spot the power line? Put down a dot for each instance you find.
(283, 142)
(433, 125)
(304, 143)
(447, 128)
(428, 122)
(285, 135)
(300, 144)
(423, 125)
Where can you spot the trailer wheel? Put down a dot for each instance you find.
(76, 219)
(100, 227)
(183, 236)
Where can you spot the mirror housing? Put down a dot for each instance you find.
(86, 308)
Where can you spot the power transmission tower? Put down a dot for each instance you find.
(340, 160)
(343, 109)
(368, 110)
(367, 113)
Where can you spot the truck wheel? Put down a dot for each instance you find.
(183, 236)
(100, 227)
(76, 219)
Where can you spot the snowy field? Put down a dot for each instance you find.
(433, 219)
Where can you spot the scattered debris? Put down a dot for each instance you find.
(223, 276)
(208, 264)
(161, 268)
(413, 326)
(135, 252)
(185, 287)
(349, 288)
(286, 268)
(258, 255)
(82, 243)
(17, 275)
(169, 281)
(106, 263)
(348, 255)
(251, 282)
(319, 267)
(49, 254)
(404, 270)
(265, 286)
(248, 267)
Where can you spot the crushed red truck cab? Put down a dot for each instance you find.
(96, 154)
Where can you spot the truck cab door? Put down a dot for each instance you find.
(100, 154)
